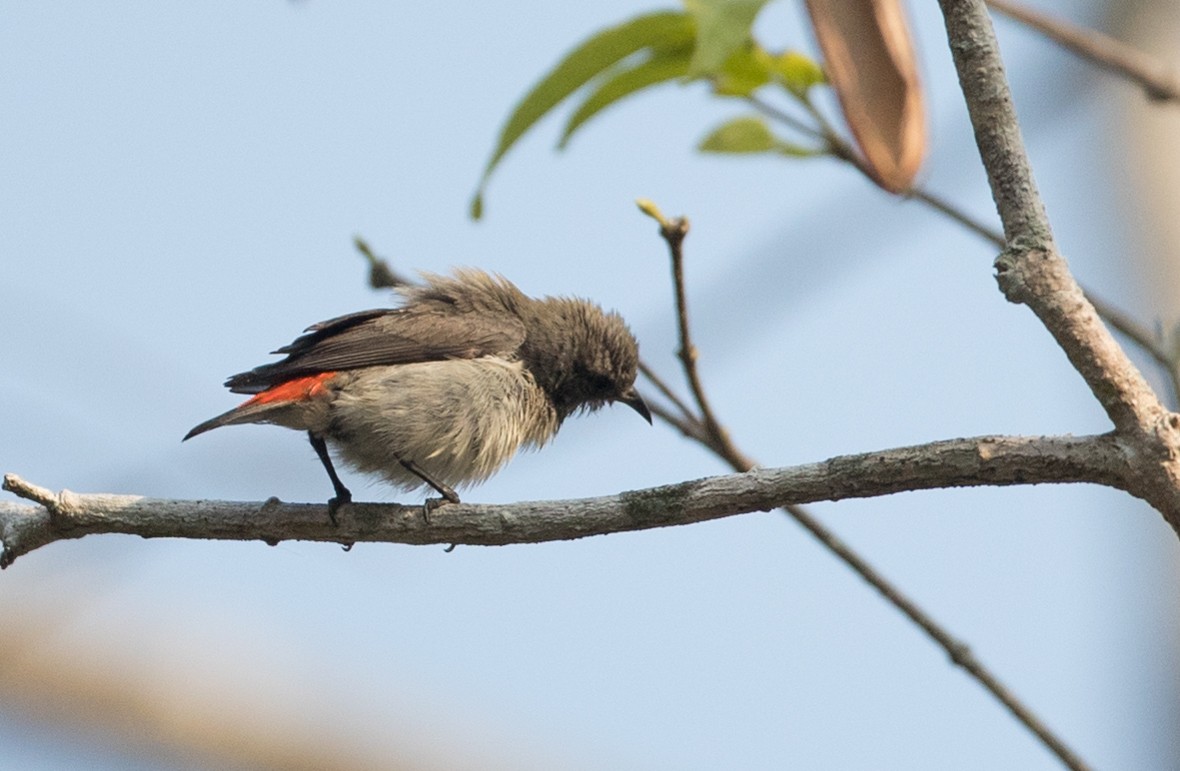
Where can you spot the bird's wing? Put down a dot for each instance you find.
(386, 336)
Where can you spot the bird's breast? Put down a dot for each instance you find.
(459, 419)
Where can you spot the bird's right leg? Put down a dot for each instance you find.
(343, 494)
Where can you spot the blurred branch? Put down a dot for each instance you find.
(973, 462)
(1158, 80)
(137, 701)
(1146, 339)
(949, 210)
(838, 148)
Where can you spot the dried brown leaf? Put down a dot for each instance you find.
(870, 62)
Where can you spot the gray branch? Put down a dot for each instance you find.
(1030, 270)
(991, 460)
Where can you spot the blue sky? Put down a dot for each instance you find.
(181, 186)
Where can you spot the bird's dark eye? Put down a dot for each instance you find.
(602, 383)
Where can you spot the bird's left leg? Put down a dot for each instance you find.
(442, 489)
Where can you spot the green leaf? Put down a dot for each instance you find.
(798, 151)
(744, 72)
(751, 134)
(740, 135)
(665, 29)
(723, 27)
(797, 72)
(662, 66)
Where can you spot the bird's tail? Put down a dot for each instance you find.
(268, 406)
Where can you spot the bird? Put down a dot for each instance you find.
(442, 390)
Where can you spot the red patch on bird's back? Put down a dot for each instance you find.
(297, 390)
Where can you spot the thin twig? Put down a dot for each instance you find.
(667, 391)
(839, 148)
(957, 650)
(690, 429)
(685, 421)
(775, 113)
(1145, 339)
(945, 207)
(1157, 79)
(1148, 340)
(674, 232)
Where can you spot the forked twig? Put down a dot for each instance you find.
(673, 231)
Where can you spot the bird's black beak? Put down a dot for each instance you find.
(632, 399)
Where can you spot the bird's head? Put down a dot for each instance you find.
(584, 357)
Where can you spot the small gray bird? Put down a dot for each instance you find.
(445, 389)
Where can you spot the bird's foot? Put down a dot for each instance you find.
(342, 498)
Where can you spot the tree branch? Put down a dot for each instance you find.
(1032, 272)
(979, 461)
(1157, 79)
(673, 232)
(993, 116)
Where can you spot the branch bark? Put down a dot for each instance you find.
(1030, 271)
(989, 460)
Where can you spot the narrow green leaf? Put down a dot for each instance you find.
(662, 66)
(723, 27)
(594, 56)
(740, 135)
(751, 134)
(797, 72)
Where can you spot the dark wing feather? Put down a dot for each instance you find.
(383, 337)
(325, 329)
